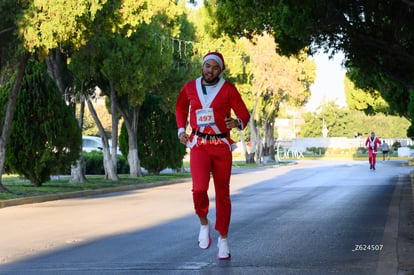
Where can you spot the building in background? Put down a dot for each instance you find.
(288, 128)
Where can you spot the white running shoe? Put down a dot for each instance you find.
(223, 249)
(204, 237)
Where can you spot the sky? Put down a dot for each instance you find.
(329, 82)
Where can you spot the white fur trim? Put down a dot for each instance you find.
(215, 58)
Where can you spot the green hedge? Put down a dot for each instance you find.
(94, 164)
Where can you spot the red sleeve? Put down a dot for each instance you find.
(239, 107)
(181, 108)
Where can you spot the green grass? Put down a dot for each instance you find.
(20, 188)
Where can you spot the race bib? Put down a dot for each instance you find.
(205, 117)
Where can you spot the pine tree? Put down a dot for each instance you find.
(45, 138)
(158, 145)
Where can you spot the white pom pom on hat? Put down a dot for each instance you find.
(216, 57)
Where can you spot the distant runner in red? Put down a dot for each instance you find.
(208, 100)
(372, 142)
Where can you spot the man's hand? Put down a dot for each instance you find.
(231, 123)
(184, 138)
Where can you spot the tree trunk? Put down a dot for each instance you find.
(259, 154)
(133, 159)
(131, 124)
(109, 166)
(250, 158)
(77, 171)
(253, 141)
(57, 69)
(243, 142)
(269, 150)
(115, 122)
(253, 137)
(253, 134)
(6, 127)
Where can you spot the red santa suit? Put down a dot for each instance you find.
(372, 143)
(210, 142)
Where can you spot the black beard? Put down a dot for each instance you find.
(212, 82)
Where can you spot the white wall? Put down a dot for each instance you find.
(300, 144)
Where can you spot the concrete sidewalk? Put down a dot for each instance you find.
(405, 241)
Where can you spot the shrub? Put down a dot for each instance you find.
(45, 138)
(94, 164)
(158, 145)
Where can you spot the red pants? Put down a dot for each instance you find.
(217, 159)
(372, 158)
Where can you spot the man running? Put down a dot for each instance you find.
(209, 100)
(372, 142)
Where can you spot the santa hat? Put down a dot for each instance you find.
(216, 57)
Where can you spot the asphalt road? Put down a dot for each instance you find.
(316, 217)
